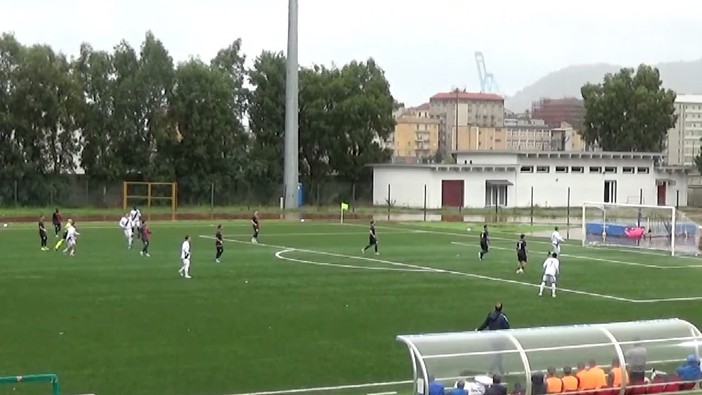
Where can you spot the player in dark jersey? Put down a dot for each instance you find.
(56, 220)
(219, 244)
(521, 254)
(145, 238)
(255, 223)
(43, 236)
(372, 239)
(484, 242)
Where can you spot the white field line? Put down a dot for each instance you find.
(626, 263)
(430, 269)
(463, 274)
(334, 388)
(280, 255)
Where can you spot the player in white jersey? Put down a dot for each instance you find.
(71, 236)
(556, 241)
(185, 258)
(552, 269)
(135, 216)
(126, 224)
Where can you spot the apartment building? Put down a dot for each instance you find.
(683, 142)
(416, 136)
(459, 110)
(524, 136)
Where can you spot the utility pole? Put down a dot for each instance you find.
(292, 90)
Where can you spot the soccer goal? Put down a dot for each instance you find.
(661, 228)
(153, 196)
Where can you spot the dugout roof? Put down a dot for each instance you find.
(519, 353)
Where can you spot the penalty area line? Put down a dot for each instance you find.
(430, 269)
(677, 299)
(280, 255)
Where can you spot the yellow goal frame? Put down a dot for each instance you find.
(173, 198)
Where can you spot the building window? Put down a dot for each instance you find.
(610, 191)
(561, 169)
(577, 169)
(542, 169)
(595, 169)
(642, 170)
(527, 169)
(495, 195)
(610, 170)
(628, 170)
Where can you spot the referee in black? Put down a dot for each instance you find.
(496, 320)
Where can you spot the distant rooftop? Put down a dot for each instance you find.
(442, 96)
(568, 154)
(689, 99)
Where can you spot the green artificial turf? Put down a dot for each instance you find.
(110, 322)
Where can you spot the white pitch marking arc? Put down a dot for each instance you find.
(280, 255)
(433, 270)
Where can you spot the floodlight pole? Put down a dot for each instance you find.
(292, 90)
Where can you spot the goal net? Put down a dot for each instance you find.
(661, 228)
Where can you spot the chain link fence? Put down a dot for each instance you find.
(80, 191)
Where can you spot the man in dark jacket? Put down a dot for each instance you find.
(496, 388)
(496, 321)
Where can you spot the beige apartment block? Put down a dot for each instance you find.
(415, 136)
(683, 142)
(524, 138)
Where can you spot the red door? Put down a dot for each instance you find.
(452, 193)
(661, 194)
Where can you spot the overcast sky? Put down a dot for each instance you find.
(425, 46)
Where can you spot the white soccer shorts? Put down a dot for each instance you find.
(128, 233)
(186, 261)
(549, 279)
(71, 242)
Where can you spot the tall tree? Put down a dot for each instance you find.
(629, 111)
(153, 83)
(213, 144)
(95, 73)
(362, 118)
(267, 115)
(127, 115)
(315, 122)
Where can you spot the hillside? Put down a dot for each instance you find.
(683, 77)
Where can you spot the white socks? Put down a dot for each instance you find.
(553, 289)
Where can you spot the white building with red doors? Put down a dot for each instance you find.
(543, 179)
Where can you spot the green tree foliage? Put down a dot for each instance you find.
(132, 113)
(629, 111)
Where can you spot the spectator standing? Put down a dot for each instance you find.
(496, 320)
(636, 362)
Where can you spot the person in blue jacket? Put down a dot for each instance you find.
(436, 388)
(690, 370)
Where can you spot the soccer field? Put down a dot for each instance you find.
(304, 308)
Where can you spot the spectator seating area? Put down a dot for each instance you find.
(629, 358)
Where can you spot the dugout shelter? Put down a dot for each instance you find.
(518, 354)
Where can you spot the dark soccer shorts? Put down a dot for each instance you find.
(372, 240)
(521, 257)
(484, 246)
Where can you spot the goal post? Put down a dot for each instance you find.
(151, 195)
(642, 226)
